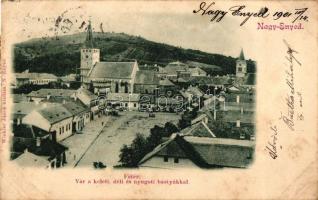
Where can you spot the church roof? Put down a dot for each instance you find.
(146, 77)
(242, 55)
(112, 70)
(89, 43)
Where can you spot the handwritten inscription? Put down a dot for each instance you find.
(288, 116)
(271, 146)
(217, 15)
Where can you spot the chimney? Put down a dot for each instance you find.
(238, 123)
(63, 101)
(38, 141)
(47, 97)
(238, 99)
(241, 110)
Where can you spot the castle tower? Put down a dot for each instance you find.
(241, 66)
(89, 55)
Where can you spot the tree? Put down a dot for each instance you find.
(126, 156)
(169, 129)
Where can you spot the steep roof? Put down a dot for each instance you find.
(195, 91)
(241, 57)
(146, 77)
(166, 82)
(198, 130)
(114, 70)
(85, 96)
(162, 149)
(197, 70)
(206, 152)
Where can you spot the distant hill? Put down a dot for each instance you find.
(61, 55)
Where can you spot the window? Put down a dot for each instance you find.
(66, 127)
(63, 129)
(239, 69)
(165, 158)
(135, 105)
(60, 131)
(176, 160)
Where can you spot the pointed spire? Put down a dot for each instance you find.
(242, 55)
(89, 37)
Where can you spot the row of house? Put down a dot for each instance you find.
(43, 118)
(197, 146)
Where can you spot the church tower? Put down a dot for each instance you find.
(241, 66)
(89, 55)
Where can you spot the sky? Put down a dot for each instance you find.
(172, 23)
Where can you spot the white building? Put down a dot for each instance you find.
(54, 119)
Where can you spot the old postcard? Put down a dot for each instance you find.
(159, 100)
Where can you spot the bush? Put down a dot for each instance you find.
(131, 155)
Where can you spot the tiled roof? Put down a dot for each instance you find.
(158, 149)
(166, 82)
(54, 113)
(42, 93)
(195, 91)
(206, 152)
(173, 67)
(199, 130)
(197, 70)
(87, 93)
(31, 160)
(222, 152)
(112, 70)
(146, 77)
(24, 108)
(219, 141)
(75, 107)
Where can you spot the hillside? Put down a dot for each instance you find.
(61, 55)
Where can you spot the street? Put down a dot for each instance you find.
(105, 146)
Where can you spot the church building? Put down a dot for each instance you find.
(241, 66)
(104, 77)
